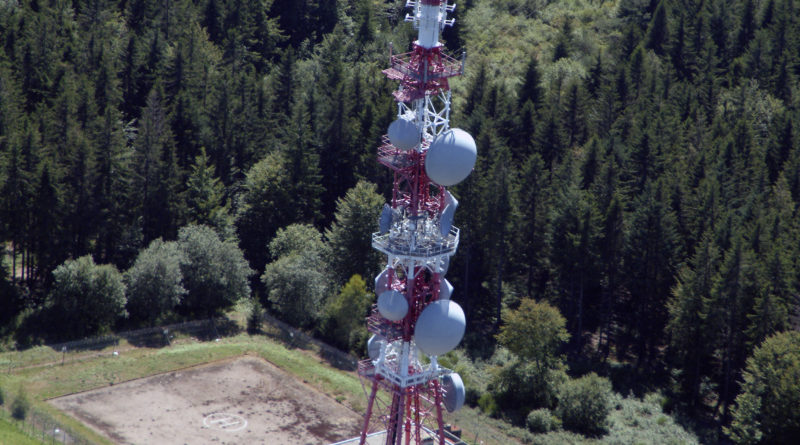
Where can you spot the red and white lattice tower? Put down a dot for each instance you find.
(414, 316)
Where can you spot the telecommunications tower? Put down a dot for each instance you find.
(414, 316)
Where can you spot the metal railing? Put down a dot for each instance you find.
(43, 427)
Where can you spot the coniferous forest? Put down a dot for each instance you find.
(632, 220)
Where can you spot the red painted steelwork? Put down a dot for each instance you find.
(424, 70)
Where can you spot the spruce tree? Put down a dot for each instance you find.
(651, 258)
(205, 198)
(657, 33)
(688, 325)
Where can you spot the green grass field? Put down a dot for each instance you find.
(39, 372)
(11, 434)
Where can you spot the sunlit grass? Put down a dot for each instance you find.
(505, 41)
(11, 434)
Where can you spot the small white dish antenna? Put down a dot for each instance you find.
(446, 220)
(374, 345)
(445, 265)
(454, 392)
(385, 222)
(448, 214)
(392, 305)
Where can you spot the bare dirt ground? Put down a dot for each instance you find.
(241, 401)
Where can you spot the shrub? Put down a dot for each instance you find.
(768, 409)
(542, 420)
(487, 404)
(584, 404)
(255, 317)
(20, 406)
(2, 397)
(343, 316)
(520, 387)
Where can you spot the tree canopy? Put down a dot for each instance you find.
(638, 167)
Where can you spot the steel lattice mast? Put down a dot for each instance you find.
(414, 315)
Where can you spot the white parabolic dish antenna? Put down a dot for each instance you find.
(445, 289)
(454, 392)
(392, 305)
(403, 134)
(451, 157)
(385, 222)
(440, 327)
(374, 345)
(382, 281)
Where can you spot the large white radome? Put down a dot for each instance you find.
(440, 327)
(451, 157)
(404, 134)
(392, 305)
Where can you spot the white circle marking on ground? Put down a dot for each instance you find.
(225, 422)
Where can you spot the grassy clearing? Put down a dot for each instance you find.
(39, 373)
(11, 434)
(630, 421)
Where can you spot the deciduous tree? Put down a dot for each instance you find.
(154, 281)
(87, 298)
(215, 273)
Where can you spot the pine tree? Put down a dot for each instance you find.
(47, 249)
(111, 193)
(497, 193)
(657, 33)
(155, 172)
(778, 149)
(365, 32)
(563, 45)
(266, 206)
(212, 20)
(13, 206)
(771, 307)
(303, 164)
(678, 51)
(747, 28)
(336, 157)
(573, 119)
(533, 212)
(205, 198)
(688, 325)
(348, 250)
(595, 79)
(79, 217)
(573, 243)
(651, 258)
(732, 297)
(548, 140)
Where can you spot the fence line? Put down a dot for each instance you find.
(158, 333)
(42, 427)
(295, 337)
